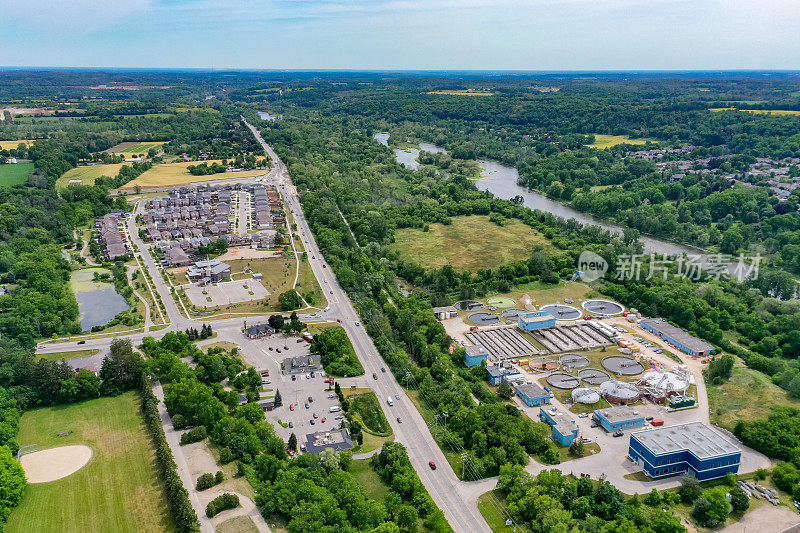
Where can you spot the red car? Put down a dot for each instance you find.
(323, 419)
(587, 318)
(290, 452)
(339, 320)
(432, 464)
(291, 407)
(265, 373)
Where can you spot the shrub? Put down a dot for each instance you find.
(179, 421)
(194, 435)
(222, 503)
(206, 481)
(225, 455)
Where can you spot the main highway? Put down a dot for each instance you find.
(457, 499)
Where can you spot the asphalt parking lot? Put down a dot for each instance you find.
(296, 393)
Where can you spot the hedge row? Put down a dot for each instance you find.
(177, 497)
(222, 503)
(206, 481)
(194, 435)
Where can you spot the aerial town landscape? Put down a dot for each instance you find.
(398, 300)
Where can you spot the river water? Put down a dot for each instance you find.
(502, 181)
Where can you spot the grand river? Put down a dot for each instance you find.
(502, 181)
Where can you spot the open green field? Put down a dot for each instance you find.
(367, 410)
(607, 141)
(177, 174)
(58, 356)
(15, 174)
(135, 148)
(367, 477)
(12, 145)
(469, 243)
(87, 175)
(237, 524)
(748, 395)
(116, 491)
(492, 506)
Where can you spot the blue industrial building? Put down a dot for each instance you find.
(532, 394)
(497, 373)
(475, 355)
(563, 426)
(536, 320)
(677, 337)
(618, 418)
(693, 448)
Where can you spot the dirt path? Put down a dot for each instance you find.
(765, 519)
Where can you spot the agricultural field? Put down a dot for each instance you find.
(607, 141)
(128, 148)
(88, 174)
(748, 395)
(15, 174)
(9, 145)
(116, 491)
(469, 243)
(780, 112)
(465, 92)
(170, 174)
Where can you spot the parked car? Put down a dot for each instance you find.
(291, 424)
(313, 421)
(316, 415)
(583, 415)
(593, 425)
(291, 407)
(649, 418)
(294, 378)
(310, 399)
(618, 433)
(432, 464)
(323, 419)
(399, 421)
(307, 406)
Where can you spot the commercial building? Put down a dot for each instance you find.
(475, 355)
(336, 439)
(257, 331)
(563, 426)
(693, 447)
(302, 364)
(212, 270)
(677, 337)
(536, 320)
(532, 394)
(618, 418)
(497, 374)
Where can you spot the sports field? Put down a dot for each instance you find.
(87, 175)
(177, 174)
(116, 491)
(469, 243)
(607, 141)
(15, 174)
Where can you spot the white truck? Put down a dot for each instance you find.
(389, 401)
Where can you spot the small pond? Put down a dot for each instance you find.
(98, 301)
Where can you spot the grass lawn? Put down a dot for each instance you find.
(366, 408)
(748, 395)
(225, 345)
(177, 174)
(137, 148)
(88, 174)
(15, 174)
(492, 506)
(607, 141)
(116, 491)
(237, 524)
(58, 356)
(591, 448)
(469, 243)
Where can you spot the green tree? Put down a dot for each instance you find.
(739, 500)
(505, 390)
(12, 483)
(293, 442)
(278, 399)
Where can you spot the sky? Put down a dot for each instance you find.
(403, 34)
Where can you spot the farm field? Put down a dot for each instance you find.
(748, 395)
(607, 141)
(15, 174)
(134, 147)
(465, 92)
(177, 174)
(783, 112)
(8, 145)
(88, 174)
(469, 243)
(116, 491)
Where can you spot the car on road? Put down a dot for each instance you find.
(358, 323)
(618, 433)
(432, 464)
(81, 342)
(294, 378)
(399, 421)
(583, 415)
(396, 396)
(383, 369)
(374, 375)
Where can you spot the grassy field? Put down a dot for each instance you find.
(369, 479)
(748, 395)
(87, 175)
(15, 174)
(469, 243)
(117, 491)
(177, 174)
(237, 524)
(784, 112)
(367, 410)
(607, 141)
(492, 506)
(9, 145)
(58, 356)
(465, 92)
(137, 148)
